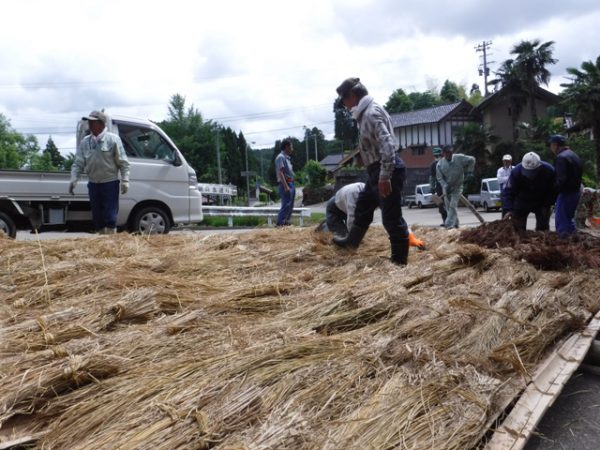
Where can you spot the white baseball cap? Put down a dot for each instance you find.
(507, 158)
(531, 161)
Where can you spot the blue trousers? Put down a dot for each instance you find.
(287, 204)
(566, 204)
(104, 200)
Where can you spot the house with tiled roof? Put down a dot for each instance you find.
(419, 131)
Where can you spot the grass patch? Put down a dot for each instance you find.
(258, 221)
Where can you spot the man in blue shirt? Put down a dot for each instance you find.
(569, 170)
(285, 179)
(529, 189)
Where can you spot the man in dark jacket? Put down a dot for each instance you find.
(569, 170)
(436, 188)
(530, 190)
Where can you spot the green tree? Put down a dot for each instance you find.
(583, 91)
(399, 102)
(55, 157)
(475, 96)
(476, 140)
(450, 92)
(69, 160)
(422, 100)
(345, 128)
(194, 137)
(13, 146)
(42, 162)
(531, 59)
(316, 174)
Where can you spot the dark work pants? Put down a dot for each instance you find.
(336, 218)
(542, 218)
(391, 206)
(104, 200)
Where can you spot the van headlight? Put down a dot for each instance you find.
(192, 180)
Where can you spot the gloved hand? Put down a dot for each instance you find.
(469, 176)
(124, 187)
(72, 185)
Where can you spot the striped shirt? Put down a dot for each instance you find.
(377, 141)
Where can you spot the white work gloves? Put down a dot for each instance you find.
(72, 185)
(124, 187)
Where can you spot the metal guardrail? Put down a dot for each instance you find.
(264, 211)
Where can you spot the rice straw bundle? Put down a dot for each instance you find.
(275, 339)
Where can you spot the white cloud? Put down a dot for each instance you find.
(264, 67)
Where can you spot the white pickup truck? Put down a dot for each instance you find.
(422, 197)
(489, 195)
(163, 187)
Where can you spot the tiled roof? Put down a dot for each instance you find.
(423, 116)
(332, 159)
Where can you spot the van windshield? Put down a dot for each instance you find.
(426, 189)
(493, 185)
(142, 142)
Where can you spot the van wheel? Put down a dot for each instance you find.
(420, 205)
(151, 220)
(7, 225)
(486, 207)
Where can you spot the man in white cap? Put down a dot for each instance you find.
(504, 171)
(530, 189)
(102, 157)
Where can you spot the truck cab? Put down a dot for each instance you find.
(422, 197)
(489, 197)
(163, 187)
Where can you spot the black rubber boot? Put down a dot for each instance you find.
(352, 239)
(400, 252)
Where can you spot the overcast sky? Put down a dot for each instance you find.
(267, 68)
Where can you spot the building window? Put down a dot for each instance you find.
(418, 150)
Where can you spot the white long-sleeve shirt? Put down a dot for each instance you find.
(503, 174)
(345, 200)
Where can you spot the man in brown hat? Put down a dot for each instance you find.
(378, 150)
(101, 156)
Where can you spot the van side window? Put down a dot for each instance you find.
(140, 142)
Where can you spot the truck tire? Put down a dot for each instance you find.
(420, 205)
(7, 225)
(151, 220)
(486, 207)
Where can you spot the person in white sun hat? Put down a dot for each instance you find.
(504, 171)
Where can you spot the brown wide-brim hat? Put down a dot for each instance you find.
(344, 89)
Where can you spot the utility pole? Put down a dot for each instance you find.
(219, 158)
(219, 165)
(247, 176)
(306, 141)
(483, 68)
(316, 155)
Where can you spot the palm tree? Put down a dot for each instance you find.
(583, 92)
(531, 60)
(512, 89)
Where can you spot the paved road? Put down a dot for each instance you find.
(423, 217)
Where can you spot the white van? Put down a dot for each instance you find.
(163, 187)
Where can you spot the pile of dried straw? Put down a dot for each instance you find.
(271, 339)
